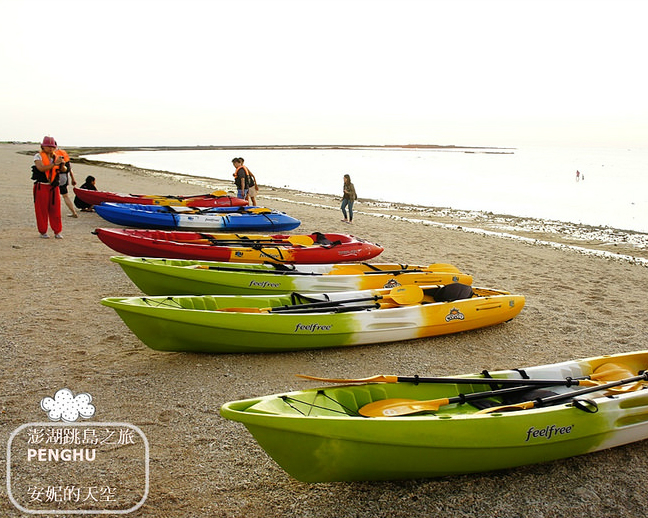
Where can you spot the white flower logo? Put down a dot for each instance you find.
(65, 406)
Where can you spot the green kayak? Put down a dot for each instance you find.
(156, 276)
(294, 322)
(428, 427)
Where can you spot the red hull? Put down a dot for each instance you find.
(335, 248)
(201, 200)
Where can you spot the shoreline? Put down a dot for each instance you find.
(620, 244)
(56, 334)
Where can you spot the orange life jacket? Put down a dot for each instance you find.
(50, 173)
(245, 179)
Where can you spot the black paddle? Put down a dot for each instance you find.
(526, 405)
(399, 407)
(402, 295)
(604, 375)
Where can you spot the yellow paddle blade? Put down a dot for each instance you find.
(218, 193)
(258, 210)
(406, 295)
(396, 407)
(301, 240)
(611, 372)
(382, 378)
(345, 270)
(443, 267)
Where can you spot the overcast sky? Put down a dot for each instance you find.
(189, 72)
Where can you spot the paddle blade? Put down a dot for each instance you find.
(301, 240)
(399, 407)
(407, 295)
(373, 379)
(218, 193)
(345, 270)
(611, 372)
(443, 267)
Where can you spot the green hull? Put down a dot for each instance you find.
(316, 435)
(156, 276)
(204, 324)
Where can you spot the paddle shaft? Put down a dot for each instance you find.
(400, 295)
(475, 381)
(398, 407)
(252, 270)
(334, 309)
(322, 304)
(245, 242)
(570, 395)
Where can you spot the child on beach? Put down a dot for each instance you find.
(90, 186)
(64, 180)
(253, 188)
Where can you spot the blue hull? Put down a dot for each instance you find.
(184, 218)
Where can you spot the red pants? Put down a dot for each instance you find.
(47, 204)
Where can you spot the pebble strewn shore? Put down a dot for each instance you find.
(55, 334)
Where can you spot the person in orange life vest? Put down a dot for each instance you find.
(64, 180)
(240, 178)
(47, 202)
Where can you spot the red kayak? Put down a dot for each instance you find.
(313, 248)
(214, 199)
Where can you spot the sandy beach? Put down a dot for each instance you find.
(55, 334)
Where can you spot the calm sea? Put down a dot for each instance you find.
(539, 183)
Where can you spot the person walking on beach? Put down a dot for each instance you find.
(252, 187)
(240, 178)
(47, 202)
(65, 178)
(89, 185)
(577, 175)
(349, 196)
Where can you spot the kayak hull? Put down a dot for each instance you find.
(156, 276)
(221, 199)
(204, 246)
(208, 323)
(235, 219)
(314, 436)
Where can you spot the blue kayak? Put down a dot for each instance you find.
(191, 218)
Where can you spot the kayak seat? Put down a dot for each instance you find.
(451, 292)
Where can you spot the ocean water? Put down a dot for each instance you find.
(528, 182)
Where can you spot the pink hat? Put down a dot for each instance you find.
(49, 141)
